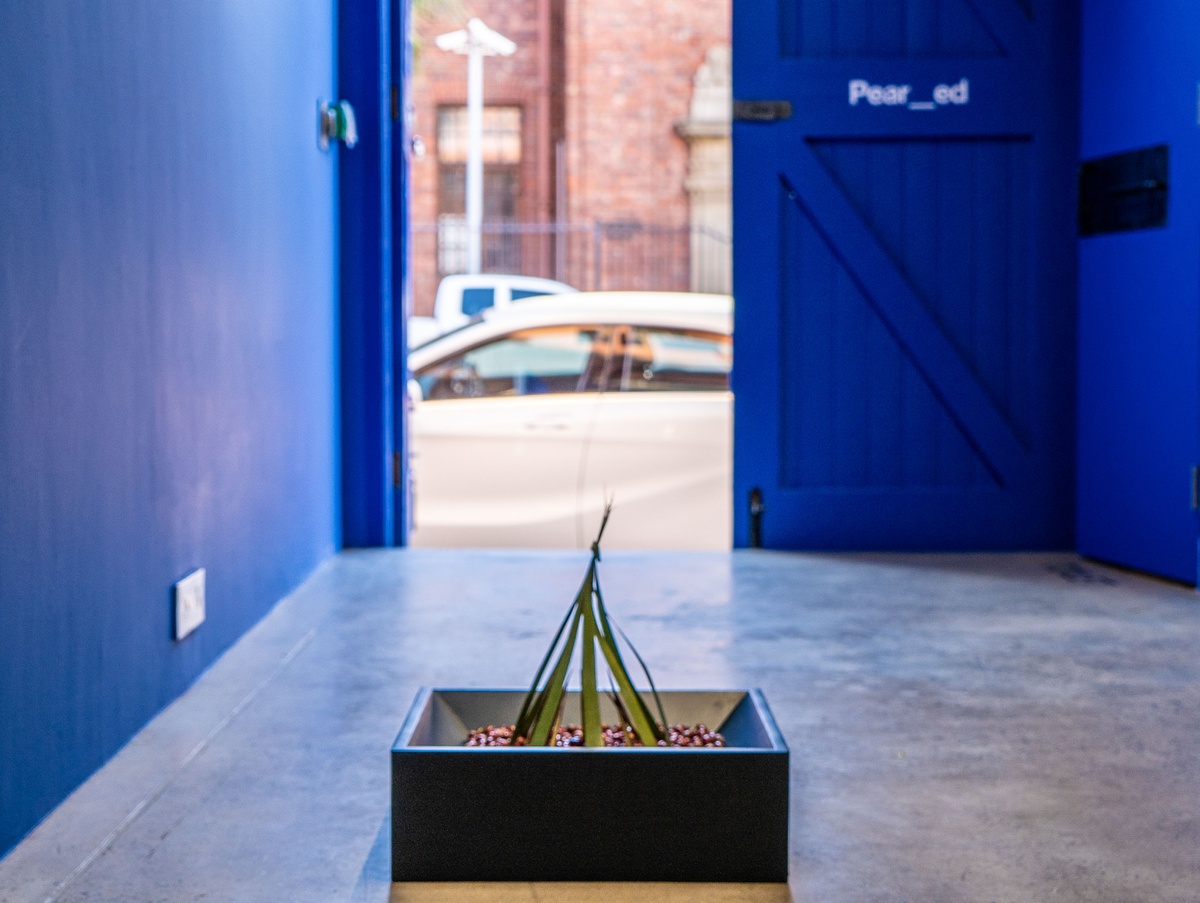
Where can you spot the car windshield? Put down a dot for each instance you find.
(528, 362)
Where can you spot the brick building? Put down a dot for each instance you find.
(605, 148)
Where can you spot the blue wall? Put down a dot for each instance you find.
(1139, 296)
(168, 356)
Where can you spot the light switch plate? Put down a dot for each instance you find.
(189, 603)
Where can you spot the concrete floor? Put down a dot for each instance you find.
(974, 728)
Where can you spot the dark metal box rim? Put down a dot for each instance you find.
(774, 745)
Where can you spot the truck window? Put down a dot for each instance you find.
(521, 293)
(477, 300)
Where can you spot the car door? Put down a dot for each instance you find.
(660, 442)
(497, 439)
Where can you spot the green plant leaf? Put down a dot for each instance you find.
(650, 680)
(552, 695)
(526, 716)
(542, 708)
(642, 725)
(647, 728)
(589, 697)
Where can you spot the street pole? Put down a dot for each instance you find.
(474, 161)
(475, 42)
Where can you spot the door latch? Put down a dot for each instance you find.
(336, 121)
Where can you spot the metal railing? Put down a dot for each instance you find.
(597, 256)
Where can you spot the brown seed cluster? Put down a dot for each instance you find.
(699, 735)
(572, 735)
(493, 736)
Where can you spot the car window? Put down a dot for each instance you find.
(529, 362)
(675, 360)
(477, 300)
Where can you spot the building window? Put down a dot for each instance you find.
(501, 187)
(501, 135)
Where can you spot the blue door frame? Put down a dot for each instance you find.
(372, 60)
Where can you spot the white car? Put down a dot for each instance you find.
(524, 422)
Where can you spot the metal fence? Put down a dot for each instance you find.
(592, 257)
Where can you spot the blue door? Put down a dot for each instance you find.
(904, 226)
(1139, 299)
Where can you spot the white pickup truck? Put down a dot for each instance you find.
(462, 296)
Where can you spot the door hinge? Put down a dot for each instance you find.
(395, 103)
(1195, 488)
(762, 110)
(397, 471)
(756, 512)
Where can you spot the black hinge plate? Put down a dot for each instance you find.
(762, 110)
(1123, 192)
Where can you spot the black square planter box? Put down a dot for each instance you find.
(625, 814)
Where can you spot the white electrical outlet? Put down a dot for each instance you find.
(189, 603)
